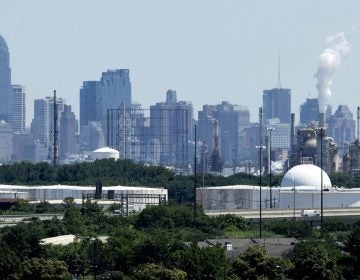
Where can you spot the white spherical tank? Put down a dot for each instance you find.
(306, 175)
(104, 153)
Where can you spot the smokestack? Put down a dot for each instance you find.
(292, 132)
(322, 120)
(330, 60)
(358, 122)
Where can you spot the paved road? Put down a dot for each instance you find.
(285, 213)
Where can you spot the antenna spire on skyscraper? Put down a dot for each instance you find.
(279, 80)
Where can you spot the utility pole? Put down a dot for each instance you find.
(260, 167)
(195, 162)
(321, 179)
(270, 179)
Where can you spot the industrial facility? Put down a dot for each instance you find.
(133, 198)
(300, 188)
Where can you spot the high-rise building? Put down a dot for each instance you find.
(42, 126)
(6, 142)
(171, 124)
(5, 82)
(91, 136)
(67, 132)
(18, 108)
(115, 89)
(232, 120)
(277, 104)
(341, 126)
(309, 111)
(89, 107)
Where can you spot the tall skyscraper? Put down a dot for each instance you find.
(277, 104)
(171, 125)
(42, 126)
(341, 126)
(18, 108)
(115, 89)
(89, 107)
(5, 82)
(232, 120)
(309, 111)
(67, 132)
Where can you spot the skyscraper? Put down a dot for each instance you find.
(309, 111)
(42, 126)
(67, 132)
(341, 126)
(232, 119)
(89, 107)
(18, 108)
(171, 125)
(115, 89)
(277, 104)
(5, 82)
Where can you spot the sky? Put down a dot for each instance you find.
(206, 50)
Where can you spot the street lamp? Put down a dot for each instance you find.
(260, 183)
(269, 154)
(321, 179)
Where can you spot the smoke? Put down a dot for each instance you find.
(330, 60)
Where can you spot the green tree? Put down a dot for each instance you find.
(73, 221)
(10, 267)
(158, 272)
(254, 263)
(314, 259)
(45, 269)
(202, 263)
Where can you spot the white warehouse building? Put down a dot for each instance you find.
(139, 197)
(300, 188)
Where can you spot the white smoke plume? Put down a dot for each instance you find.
(330, 60)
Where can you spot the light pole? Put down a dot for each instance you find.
(260, 183)
(294, 199)
(270, 181)
(321, 179)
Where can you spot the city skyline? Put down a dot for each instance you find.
(229, 54)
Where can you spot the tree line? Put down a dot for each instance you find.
(161, 243)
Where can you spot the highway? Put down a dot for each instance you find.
(267, 213)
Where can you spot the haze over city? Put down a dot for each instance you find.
(205, 50)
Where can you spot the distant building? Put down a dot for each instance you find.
(18, 108)
(91, 137)
(280, 134)
(21, 139)
(309, 111)
(341, 126)
(171, 124)
(113, 91)
(277, 104)
(233, 119)
(42, 126)
(5, 81)
(6, 142)
(89, 107)
(67, 132)
(36, 152)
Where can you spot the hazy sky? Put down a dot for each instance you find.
(208, 51)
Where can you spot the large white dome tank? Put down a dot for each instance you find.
(306, 176)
